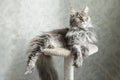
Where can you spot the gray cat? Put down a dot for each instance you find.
(74, 38)
(79, 35)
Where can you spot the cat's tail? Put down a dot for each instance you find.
(36, 57)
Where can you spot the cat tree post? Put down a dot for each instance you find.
(68, 68)
(68, 59)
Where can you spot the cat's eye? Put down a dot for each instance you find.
(86, 18)
(77, 14)
(72, 15)
(81, 18)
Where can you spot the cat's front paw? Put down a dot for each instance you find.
(85, 51)
(78, 62)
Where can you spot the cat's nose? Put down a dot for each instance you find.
(77, 20)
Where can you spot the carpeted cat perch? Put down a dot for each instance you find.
(68, 59)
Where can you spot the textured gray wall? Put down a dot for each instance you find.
(21, 20)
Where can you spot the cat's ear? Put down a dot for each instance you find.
(72, 11)
(86, 10)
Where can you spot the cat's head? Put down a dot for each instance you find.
(80, 19)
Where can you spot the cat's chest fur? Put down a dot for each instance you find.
(76, 36)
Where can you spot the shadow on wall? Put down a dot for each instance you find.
(100, 66)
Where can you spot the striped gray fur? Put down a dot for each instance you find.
(44, 63)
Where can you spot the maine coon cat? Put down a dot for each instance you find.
(79, 35)
(75, 38)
